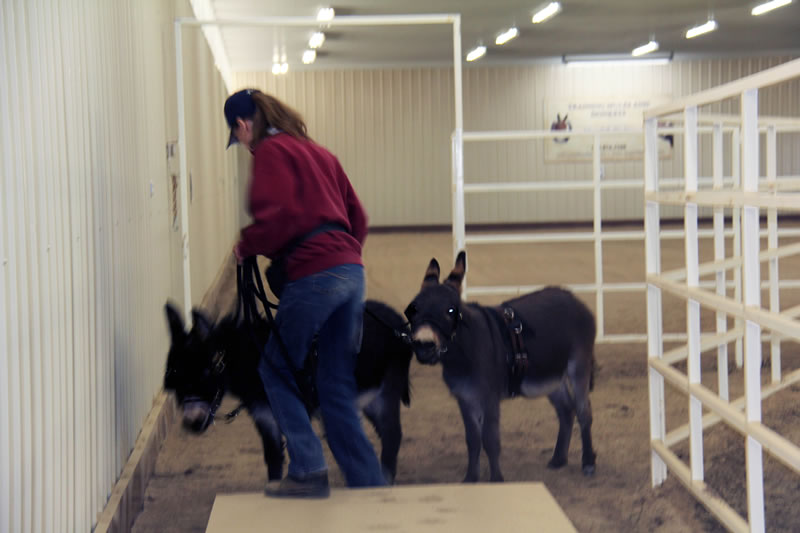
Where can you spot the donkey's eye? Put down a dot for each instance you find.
(451, 311)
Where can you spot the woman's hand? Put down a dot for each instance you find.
(237, 253)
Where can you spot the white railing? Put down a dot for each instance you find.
(597, 235)
(746, 198)
(451, 19)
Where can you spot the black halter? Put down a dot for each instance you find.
(411, 312)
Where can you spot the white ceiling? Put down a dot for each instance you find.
(583, 27)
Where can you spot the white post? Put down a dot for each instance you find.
(692, 280)
(752, 298)
(457, 78)
(459, 220)
(655, 345)
(736, 218)
(459, 223)
(719, 255)
(598, 242)
(772, 243)
(184, 171)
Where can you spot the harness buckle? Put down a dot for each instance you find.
(518, 356)
(219, 363)
(520, 363)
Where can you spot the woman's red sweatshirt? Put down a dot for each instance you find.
(297, 185)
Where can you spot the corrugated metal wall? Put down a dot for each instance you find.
(88, 253)
(391, 130)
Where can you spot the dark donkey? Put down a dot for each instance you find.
(538, 344)
(208, 361)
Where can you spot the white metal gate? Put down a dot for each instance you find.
(596, 186)
(746, 198)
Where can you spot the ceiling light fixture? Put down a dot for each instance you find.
(325, 14)
(652, 46)
(309, 56)
(476, 53)
(506, 36)
(546, 12)
(769, 6)
(709, 26)
(276, 68)
(607, 60)
(316, 40)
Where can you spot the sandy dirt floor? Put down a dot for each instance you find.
(191, 469)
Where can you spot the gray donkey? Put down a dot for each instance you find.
(538, 344)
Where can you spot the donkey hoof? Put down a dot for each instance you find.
(556, 463)
(588, 470)
(497, 479)
(470, 479)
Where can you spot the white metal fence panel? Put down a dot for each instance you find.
(594, 185)
(750, 199)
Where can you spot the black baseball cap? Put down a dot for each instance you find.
(239, 105)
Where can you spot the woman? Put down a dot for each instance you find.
(303, 203)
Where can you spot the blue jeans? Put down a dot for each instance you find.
(329, 304)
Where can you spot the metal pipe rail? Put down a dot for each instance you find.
(597, 185)
(348, 20)
(746, 202)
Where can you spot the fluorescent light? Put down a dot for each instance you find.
(546, 12)
(506, 36)
(657, 58)
(769, 6)
(325, 14)
(309, 56)
(284, 68)
(316, 40)
(652, 46)
(276, 68)
(619, 62)
(476, 53)
(711, 25)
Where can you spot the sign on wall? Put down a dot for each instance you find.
(606, 115)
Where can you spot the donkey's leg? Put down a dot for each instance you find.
(491, 438)
(563, 404)
(384, 414)
(270, 438)
(473, 420)
(583, 408)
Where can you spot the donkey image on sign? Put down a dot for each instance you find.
(539, 344)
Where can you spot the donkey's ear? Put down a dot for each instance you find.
(457, 275)
(431, 278)
(200, 323)
(175, 322)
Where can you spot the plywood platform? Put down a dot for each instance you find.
(506, 507)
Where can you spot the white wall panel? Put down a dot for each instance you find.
(391, 130)
(87, 244)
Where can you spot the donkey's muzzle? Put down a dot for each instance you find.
(196, 416)
(427, 352)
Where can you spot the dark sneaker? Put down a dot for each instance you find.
(313, 486)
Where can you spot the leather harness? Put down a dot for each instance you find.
(517, 359)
